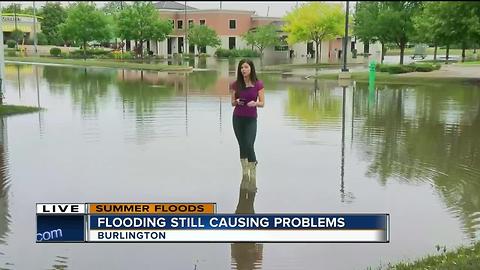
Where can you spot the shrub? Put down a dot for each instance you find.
(55, 51)
(397, 69)
(424, 67)
(11, 43)
(42, 39)
(89, 53)
(12, 53)
(117, 54)
(236, 53)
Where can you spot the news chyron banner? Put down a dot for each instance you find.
(199, 222)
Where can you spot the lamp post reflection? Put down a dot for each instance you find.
(344, 196)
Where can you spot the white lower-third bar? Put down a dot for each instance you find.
(378, 236)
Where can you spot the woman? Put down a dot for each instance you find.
(247, 95)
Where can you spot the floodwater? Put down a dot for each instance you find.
(126, 136)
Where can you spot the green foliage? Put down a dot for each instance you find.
(15, 109)
(203, 36)
(11, 53)
(141, 22)
(314, 21)
(12, 8)
(17, 35)
(85, 23)
(42, 39)
(461, 258)
(225, 53)
(113, 7)
(387, 22)
(11, 43)
(55, 51)
(262, 37)
(397, 69)
(89, 53)
(53, 14)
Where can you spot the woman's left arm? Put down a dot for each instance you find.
(261, 100)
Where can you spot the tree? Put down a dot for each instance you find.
(12, 8)
(387, 22)
(447, 23)
(467, 24)
(314, 21)
(367, 26)
(141, 22)
(85, 23)
(262, 37)
(114, 7)
(53, 15)
(17, 35)
(396, 22)
(427, 29)
(203, 36)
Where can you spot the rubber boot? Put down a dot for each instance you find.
(252, 169)
(244, 163)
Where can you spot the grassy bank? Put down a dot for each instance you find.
(310, 65)
(6, 110)
(471, 63)
(385, 78)
(429, 51)
(464, 258)
(99, 63)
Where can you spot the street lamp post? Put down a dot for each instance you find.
(35, 29)
(2, 59)
(345, 39)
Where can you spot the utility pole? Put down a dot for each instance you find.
(185, 29)
(15, 21)
(35, 29)
(345, 69)
(2, 58)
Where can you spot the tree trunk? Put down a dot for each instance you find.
(446, 56)
(435, 53)
(383, 53)
(463, 52)
(84, 51)
(317, 53)
(366, 48)
(402, 52)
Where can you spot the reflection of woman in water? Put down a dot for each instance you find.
(246, 255)
(247, 95)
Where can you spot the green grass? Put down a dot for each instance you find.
(471, 63)
(463, 258)
(15, 109)
(100, 63)
(385, 78)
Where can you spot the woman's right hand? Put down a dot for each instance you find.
(239, 102)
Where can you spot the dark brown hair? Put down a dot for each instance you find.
(240, 82)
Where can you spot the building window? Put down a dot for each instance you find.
(202, 22)
(190, 23)
(231, 43)
(233, 24)
(172, 23)
(179, 24)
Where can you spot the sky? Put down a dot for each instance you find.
(262, 8)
